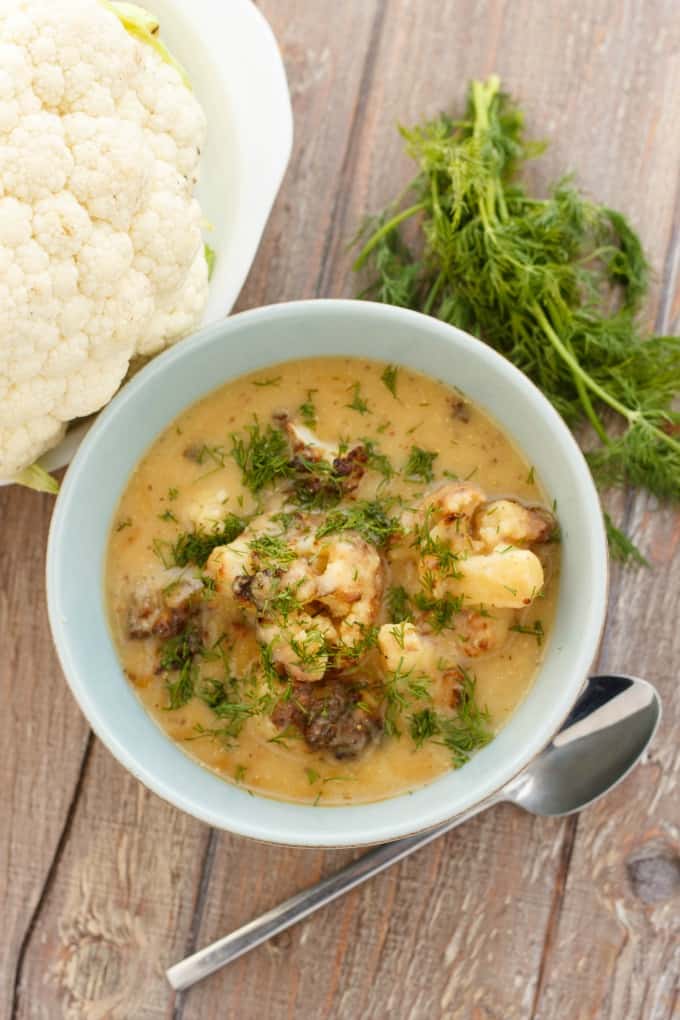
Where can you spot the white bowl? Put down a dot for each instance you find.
(253, 340)
(237, 74)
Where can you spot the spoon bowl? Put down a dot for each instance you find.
(601, 740)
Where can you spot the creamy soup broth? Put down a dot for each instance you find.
(187, 484)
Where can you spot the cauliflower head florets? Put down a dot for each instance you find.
(101, 254)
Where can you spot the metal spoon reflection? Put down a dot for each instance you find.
(603, 737)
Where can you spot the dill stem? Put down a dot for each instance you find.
(587, 404)
(434, 291)
(578, 372)
(386, 229)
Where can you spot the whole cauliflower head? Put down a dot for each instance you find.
(101, 254)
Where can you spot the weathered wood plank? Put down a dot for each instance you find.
(42, 734)
(324, 53)
(616, 951)
(425, 939)
(123, 898)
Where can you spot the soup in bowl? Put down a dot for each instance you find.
(325, 598)
(332, 581)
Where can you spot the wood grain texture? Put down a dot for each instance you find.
(509, 918)
(43, 736)
(123, 898)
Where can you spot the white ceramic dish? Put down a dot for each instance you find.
(253, 340)
(236, 71)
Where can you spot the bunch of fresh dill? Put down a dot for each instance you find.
(552, 283)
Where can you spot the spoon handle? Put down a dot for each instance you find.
(187, 972)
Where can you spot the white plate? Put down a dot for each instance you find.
(236, 71)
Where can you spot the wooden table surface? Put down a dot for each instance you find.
(103, 885)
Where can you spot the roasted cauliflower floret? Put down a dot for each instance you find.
(233, 566)
(446, 517)
(407, 651)
(405, 647)
(470, 549)
(296, 583)
(345, 469)
(505, 520)
(351, 584)
(482, 633)
(301, 648)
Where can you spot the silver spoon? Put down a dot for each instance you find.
(603, 737)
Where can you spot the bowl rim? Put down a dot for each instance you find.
(327, 834)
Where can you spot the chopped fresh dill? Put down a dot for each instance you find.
(397, 632)
(177, 651)
(204, 454)
(440, 612)
(317, 484)
(370, 518)
(423, 725)
(377, 461)
(173, 493)
(164, 552)
(470, 728)
(312, 776)
(271, 674)
(389, 378)
(282, 603)
(311, 650)
(307, 410)
(439, 549)
(263, 457)
(168, 515)
(289, 733)
(195, 546)
(273, 381)
(181, 690)
(398, 604)
(535, 631)
(272, 552)
(233, 713)
(357, 403)
(419, 687)
(284, 518)
(419, 466)
(531, 477)
(125, 523)
(209, 590)
(240, 773)
(621, 547)
(355, 650)
(396, 699)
